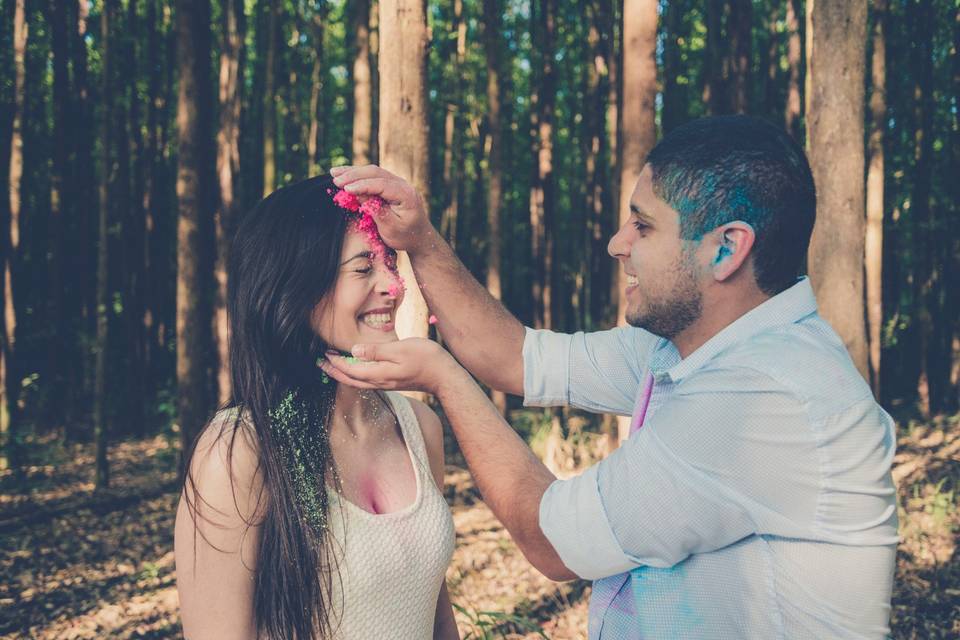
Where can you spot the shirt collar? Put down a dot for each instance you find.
(786, 307)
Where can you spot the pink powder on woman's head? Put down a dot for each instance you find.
(372, 207)
(346, 200)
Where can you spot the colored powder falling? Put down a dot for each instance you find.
(365, 225)
(432, 319)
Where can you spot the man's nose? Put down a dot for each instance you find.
(618, 246)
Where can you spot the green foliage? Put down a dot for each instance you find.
(488, 625)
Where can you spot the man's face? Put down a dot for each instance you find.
(663, 275)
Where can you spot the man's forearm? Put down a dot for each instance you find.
(509, 476)
(485, 337)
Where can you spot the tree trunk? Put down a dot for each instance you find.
(836, 30)
(150, 317)
(873, 245)
(715, 66)
(542, 190)
(639, 131)
(674, 97)
(924, 225)
(453, 130)
(362, 95)
(228, 172)
(60, 196)
(270, 101)
(107, 167)
(494, 42)
(615, 127)
(195, 183)
(404, 129)
(740, 34)
(9, 371)
(791, 114)
(316, 139)
(375, 81)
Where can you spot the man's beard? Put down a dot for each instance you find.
(669, 315)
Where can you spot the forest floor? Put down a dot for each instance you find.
(75, 563)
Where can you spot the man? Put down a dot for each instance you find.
(754, 497)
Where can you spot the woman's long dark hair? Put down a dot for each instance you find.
(284, 258)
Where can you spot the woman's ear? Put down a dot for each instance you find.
(734, 241)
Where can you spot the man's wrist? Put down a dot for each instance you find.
(428, 240)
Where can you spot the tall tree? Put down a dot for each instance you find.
(404, 150)
(453, 128)
(715, 62)
(740, 36)
(836, 32)
(638, 129)
(873, 244)
(195, 186)
(270, 99)
(493, 42)
(362, 87)
(60, 194)
(674, 96)
(791, 114)
(228, 172)
(9, 372)
(543, 190)
(107, 169)
(925, 276)
(316, 138)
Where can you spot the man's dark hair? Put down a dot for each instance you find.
(726, 168)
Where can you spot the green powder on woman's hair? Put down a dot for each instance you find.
(304, 446)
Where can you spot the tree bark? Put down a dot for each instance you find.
(270, 101)
(195, 183)
(791, 114)
(362, 89)
(404, 129)
(228, 173)
(542, 190)
(493, 42)
(925, 241)
(453, 130)
(107, 167)
(873, 245)
(715, 84)
(674, 97)
(60, 196)
(9, 371)
(316, 139)
(836, 31)
(740, 35)
(638, 133)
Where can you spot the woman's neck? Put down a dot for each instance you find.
(359, 411)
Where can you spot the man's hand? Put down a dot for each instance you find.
(414, 364)
(404, 223)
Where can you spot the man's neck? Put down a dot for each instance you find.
(718, 313)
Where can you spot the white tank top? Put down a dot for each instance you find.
(392, 565)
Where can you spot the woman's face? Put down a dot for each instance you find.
(363, 304)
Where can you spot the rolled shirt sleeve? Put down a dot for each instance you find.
(713, 466)
(598, 371)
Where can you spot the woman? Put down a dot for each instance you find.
(311, 509)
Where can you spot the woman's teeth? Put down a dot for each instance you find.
(632, 281)
(376, 320)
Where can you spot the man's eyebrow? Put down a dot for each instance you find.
(635, 210)
(362, 254)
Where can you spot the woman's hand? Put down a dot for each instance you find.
(403, 222)
(413, 364)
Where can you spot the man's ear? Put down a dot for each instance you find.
(733, 243)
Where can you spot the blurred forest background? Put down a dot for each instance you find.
(133, 133)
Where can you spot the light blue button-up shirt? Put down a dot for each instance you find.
(756, 500)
